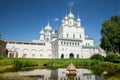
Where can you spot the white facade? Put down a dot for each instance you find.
(68, 41)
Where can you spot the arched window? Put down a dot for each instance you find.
(33, 55)
(24, 55)
(73, 35)
(67, 35)
(61, 42)
(16, 55)
(77, 55)
(73, 43)
(64, 43)
(80, 35)
(67, 43)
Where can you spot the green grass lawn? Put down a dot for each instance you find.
(48, 63)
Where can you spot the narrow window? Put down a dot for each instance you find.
(88, 43)
(67, 34)
(73, 43)
(67, 43)
(73, 35)
(64, 43)
(61, 42)
(80, 35)
(77, 55)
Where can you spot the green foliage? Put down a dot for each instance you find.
(109, 65)
(110, 35)
(1, 57)
(112, 57)
(97, 57)
(95, 63)
(13, 76)
(19, 63)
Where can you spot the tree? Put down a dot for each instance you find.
(110, 35)
(112, 57)
(97, 57)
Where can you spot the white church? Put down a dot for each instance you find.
(68, 41)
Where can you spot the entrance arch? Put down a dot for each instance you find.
(62, 56)
(71, 55)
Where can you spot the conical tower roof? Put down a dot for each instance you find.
(71, 67)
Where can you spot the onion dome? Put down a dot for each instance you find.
(78, 19)
(48, 27)
(63, 21)
(70, 15)
(75, 23)
(66, 18)
(42, 32)
(53, 32)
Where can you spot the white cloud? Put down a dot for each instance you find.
(56, 19)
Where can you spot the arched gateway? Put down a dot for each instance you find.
(71, 55)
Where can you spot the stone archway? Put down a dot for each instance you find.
(71, 55)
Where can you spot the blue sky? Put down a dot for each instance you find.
(21, 20)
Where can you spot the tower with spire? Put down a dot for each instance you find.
(48, 30)
(42, 35)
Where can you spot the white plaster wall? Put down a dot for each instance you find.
(67, 49)
(39, 51)
(88, 42)
(73, 30)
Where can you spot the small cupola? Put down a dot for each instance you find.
(48, 27)
(70, 15)
(78, 19)
(42, 32)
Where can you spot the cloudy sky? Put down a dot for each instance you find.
(22, 20)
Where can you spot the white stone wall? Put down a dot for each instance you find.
(31, 50)
(73, 32)
(88, 42)
(67, 47)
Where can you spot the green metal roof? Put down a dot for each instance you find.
(89, 47)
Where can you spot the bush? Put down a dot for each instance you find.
(112, 57)
(108, 65)
(19, 63)
(1, 57)
(94, 62)
(97, 57)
